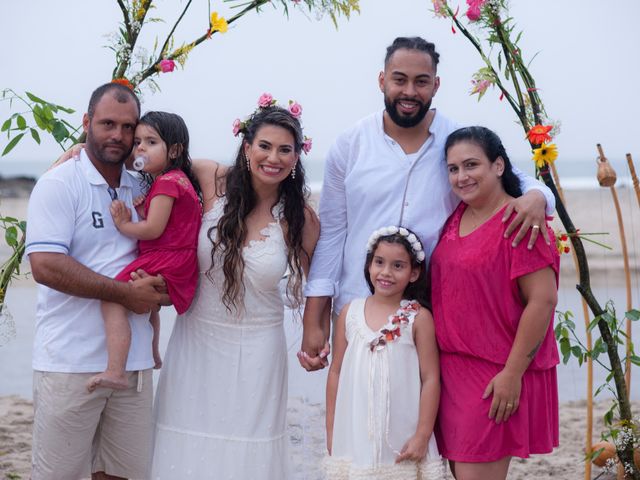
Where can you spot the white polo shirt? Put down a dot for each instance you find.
(69, 214)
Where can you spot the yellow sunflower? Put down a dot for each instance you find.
(545, 155)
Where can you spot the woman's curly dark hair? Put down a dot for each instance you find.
(229, 235)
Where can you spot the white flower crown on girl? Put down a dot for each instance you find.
(416, 246)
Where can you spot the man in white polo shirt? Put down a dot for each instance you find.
(389, 169)
(75, 250)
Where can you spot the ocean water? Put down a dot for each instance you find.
(15, 356)
(574, 174)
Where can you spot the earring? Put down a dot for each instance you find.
(246, 159)
(293, 173)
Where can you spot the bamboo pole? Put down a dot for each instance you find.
(634, 177)
(589, 344)
(607, 178)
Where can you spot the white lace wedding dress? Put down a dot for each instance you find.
(220, 408)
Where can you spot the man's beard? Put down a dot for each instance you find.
(403, 120)
(100, 154)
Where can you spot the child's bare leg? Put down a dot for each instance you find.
(118, 333)
(155, 323)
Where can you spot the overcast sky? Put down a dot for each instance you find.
(587, 68)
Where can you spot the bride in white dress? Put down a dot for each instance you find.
(220, 408)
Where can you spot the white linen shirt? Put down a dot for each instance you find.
(69, 214)
(369, 182)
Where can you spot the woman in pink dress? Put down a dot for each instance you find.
(493, 307)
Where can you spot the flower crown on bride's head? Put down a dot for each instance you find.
(411, 238)
(266, 100)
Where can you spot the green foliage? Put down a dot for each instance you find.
(46, 117)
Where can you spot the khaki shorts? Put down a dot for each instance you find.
(76, 432)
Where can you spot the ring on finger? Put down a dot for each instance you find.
(509, 405)
(536, 227)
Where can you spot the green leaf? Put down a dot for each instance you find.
(635, 359)
(60, 132)
(47, 113)
(593, 324)
(33, 98)
(35, 135)
(608, 417)
(565, 347)
(38, 116)
(14, 141)
(11, 236)
(10, 219)
(6, 125)
(570, 324)
(576, 351)
(632, 315)
(22, 123)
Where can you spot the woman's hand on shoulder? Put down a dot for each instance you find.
(73, 152)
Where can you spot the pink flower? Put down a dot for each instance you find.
(480, 86)
(295, 109)
(474, 12)
(237, 126)
(167, 65)
(306, 145)
(265, 100)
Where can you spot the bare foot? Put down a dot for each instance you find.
(108, 380)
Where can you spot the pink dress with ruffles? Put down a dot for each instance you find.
(477, 309)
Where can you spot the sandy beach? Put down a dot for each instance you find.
(591, 210)
(306, 435)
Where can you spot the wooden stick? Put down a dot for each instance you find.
(634, 177)
(607, 178)
(589, 344)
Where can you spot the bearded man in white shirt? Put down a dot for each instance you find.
(389, 169)
(75, 251)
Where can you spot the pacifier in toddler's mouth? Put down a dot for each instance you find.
(140, 162)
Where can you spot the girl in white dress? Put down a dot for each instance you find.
(220, 407)
(383, 385)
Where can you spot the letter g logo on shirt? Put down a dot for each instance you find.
(97, 220)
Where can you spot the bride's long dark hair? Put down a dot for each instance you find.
(229, 235)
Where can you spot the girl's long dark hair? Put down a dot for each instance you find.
(417, 290)
(173, 131)
(229, 235)
(492, 147)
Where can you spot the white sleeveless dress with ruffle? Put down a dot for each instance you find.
(221, 402)
(377, 406)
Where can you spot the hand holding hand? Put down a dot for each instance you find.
(316, 360)
(530, 213)
(415, 449)
(120, 213)
(145, 295)
(506, 395)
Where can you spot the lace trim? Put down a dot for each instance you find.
(212, 436)
(271, 231)
(343, 469)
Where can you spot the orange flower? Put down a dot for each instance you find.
(123, 81)
(539, 134)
